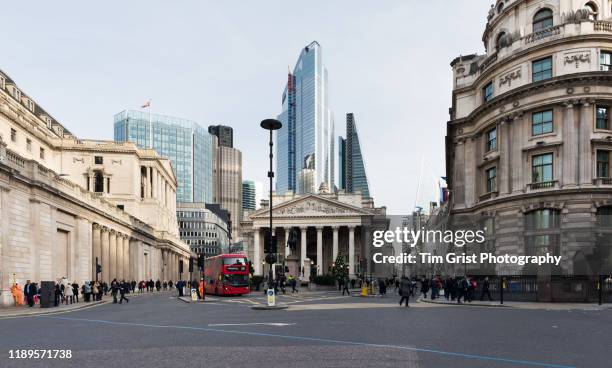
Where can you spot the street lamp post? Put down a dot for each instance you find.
(271, 125)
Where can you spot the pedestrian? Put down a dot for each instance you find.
(405, 287)
(86, 291)
(30, 291)
(382, 287)
(165, 285)
(158, 285)
(345, 287)
(485, 289)
(293, 283)
(75, 291)
(68, 293)
(424, 287)
(133, 285)
(57, 294)
(114, 290)
(123, 289)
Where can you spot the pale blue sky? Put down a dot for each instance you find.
(226, 62)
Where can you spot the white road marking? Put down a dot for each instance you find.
(276, 324)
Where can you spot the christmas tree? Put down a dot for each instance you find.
(340, 269)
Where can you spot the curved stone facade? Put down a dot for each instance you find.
(530, 135)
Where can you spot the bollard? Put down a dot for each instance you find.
(600, 288)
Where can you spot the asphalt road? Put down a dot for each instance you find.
(318, 330)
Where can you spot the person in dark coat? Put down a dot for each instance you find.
(345, 286)
(485, 289)
(158, 285)
(405, 288)
(124, 289)
(114, 290)
(30, 291)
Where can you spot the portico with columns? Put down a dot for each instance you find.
(323, 227)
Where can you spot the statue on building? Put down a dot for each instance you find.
(292, 241)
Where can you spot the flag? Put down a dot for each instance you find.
(147, 104)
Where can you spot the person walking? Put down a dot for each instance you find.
(30, 291)
(485, 289)
(75, 291)
(424, 287)
(86, 291)
(405, 290)
(345, 286)
(123, 289)
(114, 290)
(68, 292)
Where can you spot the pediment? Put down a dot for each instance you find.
(313, 206)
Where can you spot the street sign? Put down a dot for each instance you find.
(271, 298)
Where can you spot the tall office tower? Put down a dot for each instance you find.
(189, 147)
(228, 176)
(248, 195)
(305, 144)
(224, 133)
(353, 176)
(341, 163)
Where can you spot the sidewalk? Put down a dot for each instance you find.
(522, 305)
(24, 311)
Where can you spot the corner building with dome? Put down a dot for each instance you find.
(529, 141)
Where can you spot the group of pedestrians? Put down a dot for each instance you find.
(66, 292)
(455, 288)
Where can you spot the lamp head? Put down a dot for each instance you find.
(271, 124)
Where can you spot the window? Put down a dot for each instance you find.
(542, 69)
(605, 61)
(121, 207)
(488, 92)
(492, 140)
(603, 117)
(604, 216)
(98, 182)
(603, 164)
(28, 144)
(542, 168)
(98, 160)
(30, 105)
(498, 41)
(16, 94)
(545, 219)
(2, 82)
(542, 122)
(42, 153)
(491, 179)
(13, 135)
(542, 20)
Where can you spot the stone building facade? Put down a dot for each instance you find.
(65, 202)
(324, 225)
(529, 142)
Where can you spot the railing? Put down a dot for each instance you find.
(543, 185)
(545, 33)
(487, 196)
(602, 181)
(15, 159)
(602, 25)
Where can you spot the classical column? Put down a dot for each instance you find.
(164, 270)
(105, 254)
(150, 181)
(303, 231)
(97, 249)
(256, 252)
(351, 251)
(516, 165)
(319, 250)
(585, 157)
(335, 243)
(113, 256)
(287, 249)
(367, 247)
(126, 259)
(570, 147)
(120, 253)
(504, 170)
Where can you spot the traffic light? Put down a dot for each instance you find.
(201, 262)
(98, 269)
(180, 266)
(270, 244)
(190, 264)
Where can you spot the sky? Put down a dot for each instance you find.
(226, 62)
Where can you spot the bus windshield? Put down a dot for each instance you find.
(234, 261)
(236, 280)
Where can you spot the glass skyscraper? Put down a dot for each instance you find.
(305, 145)
(189, 147)
(248, 195)
(353, 176)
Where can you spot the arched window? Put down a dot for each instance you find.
(543, 20)
(499, 40)
(592, 7)
(98, 182)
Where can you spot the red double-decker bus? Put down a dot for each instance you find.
(227, 274)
